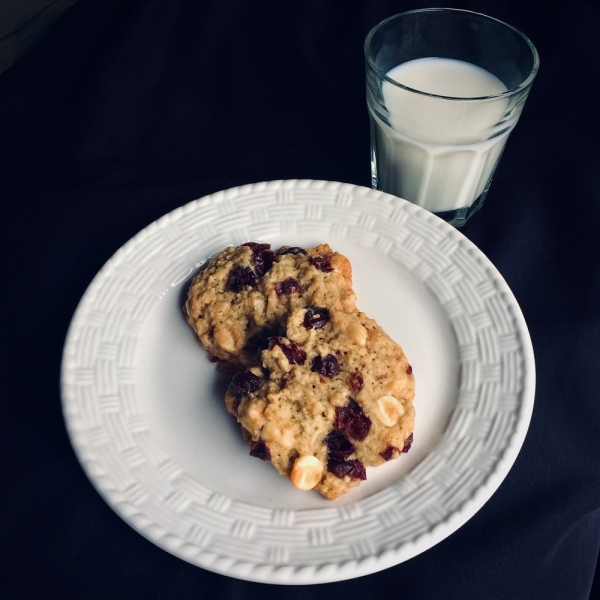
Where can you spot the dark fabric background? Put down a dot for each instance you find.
(128, 109)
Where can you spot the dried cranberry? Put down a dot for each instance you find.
(260, 340)
(338, 445)
(316, 317)
(293, 352)
(321, 263)
(257, 248)
(287, 287)
(352, 468)
(260, 450)
(240, 278)
(352, 420)
(389, 452)
(356, 382)
(245, 383)
(290, 250)
(407, 444)
(328, 366)
(408, 370)
(262, 257)
(263, 262)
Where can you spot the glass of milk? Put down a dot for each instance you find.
(445, 87)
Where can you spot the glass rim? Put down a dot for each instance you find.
(526, 83)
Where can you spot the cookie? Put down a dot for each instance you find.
(330, 397)
(246, 293)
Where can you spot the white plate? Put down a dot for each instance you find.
(144, 407)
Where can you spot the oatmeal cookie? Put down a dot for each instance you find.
(329, 397)
(246, 293)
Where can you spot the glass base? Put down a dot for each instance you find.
(459, 216)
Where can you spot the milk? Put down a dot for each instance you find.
(440, 152)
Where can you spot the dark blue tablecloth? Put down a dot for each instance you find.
(127, 109)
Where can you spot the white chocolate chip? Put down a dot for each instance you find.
(283, 436)
(338, 399)
(307, 472)
(391, 410)
(254, 411)
(258, 303)
(314, 406)
(225, 338)
(281, 360)
(357, 334)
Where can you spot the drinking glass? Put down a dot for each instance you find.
(445, 87)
